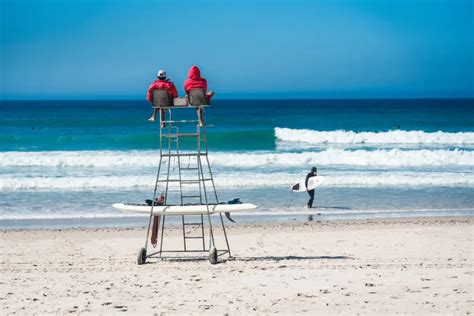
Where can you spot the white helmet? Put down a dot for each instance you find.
(161, 74)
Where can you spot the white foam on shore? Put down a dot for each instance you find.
(325, 211)
(259, 213)
(390, 137)
(134, 159)
(74, 215)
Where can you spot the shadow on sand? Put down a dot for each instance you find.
(255, 259)
(297, 258)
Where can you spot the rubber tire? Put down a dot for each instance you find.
(213, 255)
(141, 259)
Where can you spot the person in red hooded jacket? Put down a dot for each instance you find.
(161, 84)
(195, 81)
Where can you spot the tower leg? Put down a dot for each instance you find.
(162, 233)
(225, 235)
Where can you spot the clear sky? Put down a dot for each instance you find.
(246, 49)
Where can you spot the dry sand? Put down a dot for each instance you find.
(414, 266)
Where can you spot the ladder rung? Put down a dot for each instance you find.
(181, 135)
(177, 180)
(189, 168)
(193, 237)
(179, 121)
(196, 181)
(190, 196)
(185, 155)
(185, 181)
(192, 224)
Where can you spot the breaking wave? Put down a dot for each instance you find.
(123, 159)
(245, 180)
(390, 137)
(391, 158)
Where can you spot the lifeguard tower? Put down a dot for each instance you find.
(184, 179)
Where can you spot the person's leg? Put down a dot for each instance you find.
(209, 96)
(162, 118)
(153, 116)
(200, 116)
(311, 198)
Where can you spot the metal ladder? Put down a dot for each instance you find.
(196, 186)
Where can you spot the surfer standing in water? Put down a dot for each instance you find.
(311, 192)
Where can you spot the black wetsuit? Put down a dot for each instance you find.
(310, 192)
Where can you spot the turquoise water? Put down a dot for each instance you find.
(68, 161)
(120, 125)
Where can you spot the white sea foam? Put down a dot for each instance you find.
(391, 158)
(125, 160)
(390, 137)
(74, 183)
(84, 159)
(270, 212)
(74, 215)
(326, 211)
(244, 180)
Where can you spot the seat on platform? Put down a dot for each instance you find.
(161, 98)
(197, 97)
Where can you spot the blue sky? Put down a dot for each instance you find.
(89, 49)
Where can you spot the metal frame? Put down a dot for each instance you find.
(170, 137)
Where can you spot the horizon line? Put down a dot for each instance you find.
(243, 99)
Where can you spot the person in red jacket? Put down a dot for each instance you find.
(195, 81)
(161, 84)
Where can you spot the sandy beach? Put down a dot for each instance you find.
(413, 266)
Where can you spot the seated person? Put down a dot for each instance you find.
(195, 81)
(161, 84)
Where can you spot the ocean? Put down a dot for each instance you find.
(64, 163)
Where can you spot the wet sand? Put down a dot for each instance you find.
(414, 266)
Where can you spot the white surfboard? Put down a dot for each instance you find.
(185, 209)
(313, 182)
